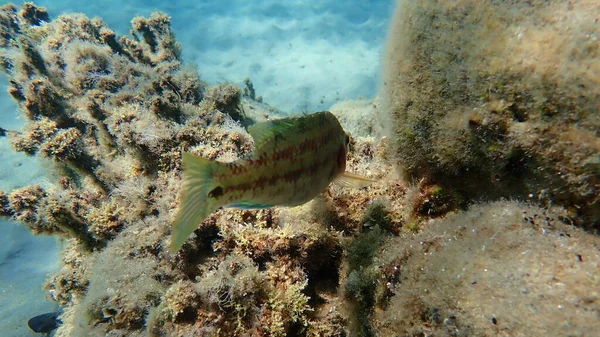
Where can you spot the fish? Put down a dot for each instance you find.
(45, 323)
(293, 161)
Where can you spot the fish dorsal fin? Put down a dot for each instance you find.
(352, 180)
(265, 132)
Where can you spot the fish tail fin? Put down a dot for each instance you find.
(196, 204)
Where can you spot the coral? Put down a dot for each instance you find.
(24, 202)
(180, 301)
(226, 97)
(5, 209)
(249, 89)
(70, 284)
(497, 99)
(107, 110)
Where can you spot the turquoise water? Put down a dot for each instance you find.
(300, 55)
(25, 261)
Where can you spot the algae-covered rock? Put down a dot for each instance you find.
(499, 269)
(499, 99)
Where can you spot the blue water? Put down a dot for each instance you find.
(300, 55)
(25, 262)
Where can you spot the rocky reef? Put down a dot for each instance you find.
(499, 99)
(110, 116)
(499, 269)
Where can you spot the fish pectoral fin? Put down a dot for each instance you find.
(347, 179)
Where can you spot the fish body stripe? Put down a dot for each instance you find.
(288, 153)
(272, 180)
(298, 143)
(236, 192)
(310, 155)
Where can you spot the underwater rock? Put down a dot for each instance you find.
(499, 99)
(498, 269)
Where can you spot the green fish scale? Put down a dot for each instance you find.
(293, 170)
